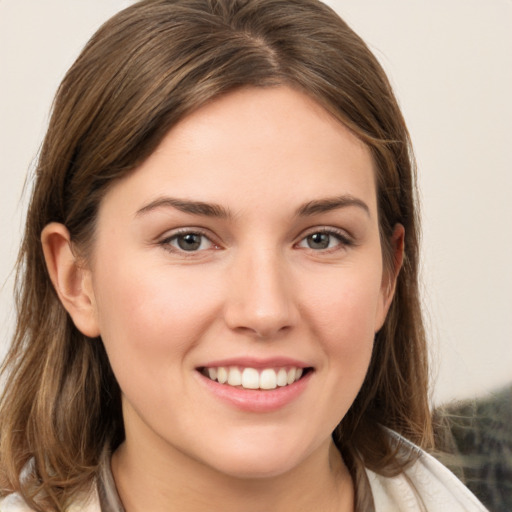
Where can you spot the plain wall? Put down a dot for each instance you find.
(451, 65)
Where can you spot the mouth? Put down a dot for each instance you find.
(255, 378)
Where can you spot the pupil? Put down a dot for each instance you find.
(318, 241)
(189, 242)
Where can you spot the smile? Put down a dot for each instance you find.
(252, 378)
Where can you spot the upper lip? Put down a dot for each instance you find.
(250, 362)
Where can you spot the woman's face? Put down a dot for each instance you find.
(245, 248)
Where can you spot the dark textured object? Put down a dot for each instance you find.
(475, 442)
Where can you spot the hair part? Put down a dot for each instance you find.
(143, 71)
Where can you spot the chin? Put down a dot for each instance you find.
(256, 468)
(258, 460)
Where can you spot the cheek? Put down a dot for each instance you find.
(348, 335)
(343, 312)
(346, 305)
(150, 318)
(150, 321)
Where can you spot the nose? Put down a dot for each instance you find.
(260, 299)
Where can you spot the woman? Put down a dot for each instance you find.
(218, 301)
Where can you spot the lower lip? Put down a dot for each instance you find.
(255, 400)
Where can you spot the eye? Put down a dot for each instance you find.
(188, 241)
(324, 240)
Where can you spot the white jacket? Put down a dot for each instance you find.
(426, 486)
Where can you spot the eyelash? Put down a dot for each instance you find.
(343, 240)
(166, 243)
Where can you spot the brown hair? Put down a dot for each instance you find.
(140, 74)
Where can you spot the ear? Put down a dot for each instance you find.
(390, 275)
(71, 281)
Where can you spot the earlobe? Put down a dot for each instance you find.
(71, 281)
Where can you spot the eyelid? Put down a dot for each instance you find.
(165, 240)
(345, 239)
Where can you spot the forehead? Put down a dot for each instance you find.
(274, 143)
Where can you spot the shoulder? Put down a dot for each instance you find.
(15, 503)
(425, 485)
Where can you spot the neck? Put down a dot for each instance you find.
(153, 479)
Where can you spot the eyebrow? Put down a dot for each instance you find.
(187, 206)
(202, 208)
(318, 206)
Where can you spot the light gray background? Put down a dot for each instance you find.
(451, 64)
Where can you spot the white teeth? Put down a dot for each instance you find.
(268, 379)
(234, 377)
(251, 378)
(291, 375)
(282, 377)
(222, 375)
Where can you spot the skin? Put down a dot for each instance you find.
(256, 286)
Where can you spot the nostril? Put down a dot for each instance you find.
(264, 331)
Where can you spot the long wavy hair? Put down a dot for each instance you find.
(143, 71)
